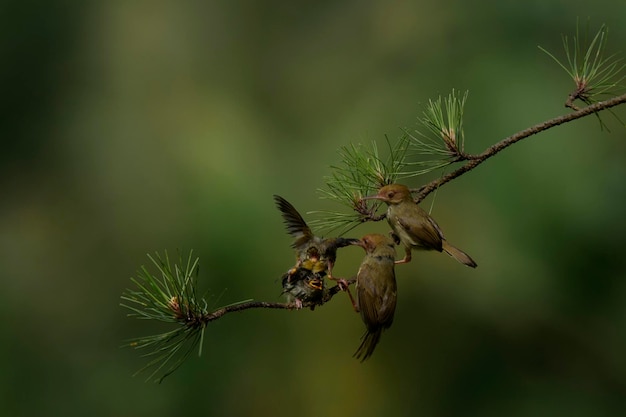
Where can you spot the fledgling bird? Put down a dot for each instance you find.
(303, 286)
(413, 226)
(376, 290)
(313, 253)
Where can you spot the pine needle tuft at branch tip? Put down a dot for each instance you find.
(443, 141)
(169, 296)
(594, 74)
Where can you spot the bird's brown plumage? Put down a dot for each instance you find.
(415, 228)
(376, 290)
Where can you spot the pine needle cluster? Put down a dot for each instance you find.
(436, 142)
(594, 73)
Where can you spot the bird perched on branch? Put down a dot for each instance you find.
(303, 286)
(413, 226)
(376, 290)
(313, 253)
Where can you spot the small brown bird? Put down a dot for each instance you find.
(413, 226)
(313, 253)
(376, 290)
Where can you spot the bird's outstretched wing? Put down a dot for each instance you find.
(295, 224)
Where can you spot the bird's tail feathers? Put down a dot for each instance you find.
(459, 255)
(368, 343)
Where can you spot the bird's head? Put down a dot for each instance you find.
(376, 242)
(313, 253)
(391, 194)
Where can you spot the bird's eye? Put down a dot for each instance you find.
(390, 194)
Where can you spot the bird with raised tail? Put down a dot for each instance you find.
(413, 226)
(376, 290)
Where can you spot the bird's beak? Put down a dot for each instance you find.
(358, 242)
(372, 197)
(343, 242)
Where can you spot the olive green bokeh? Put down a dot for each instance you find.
(133, 127)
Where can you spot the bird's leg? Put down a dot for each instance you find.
(354, 305)
(298, 303)
(295, 268)
(343, 285)
(329, 268)
(407, 256)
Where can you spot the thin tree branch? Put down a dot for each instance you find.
(476, 160)
(214, 315)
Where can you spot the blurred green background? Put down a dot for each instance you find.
(130, 127)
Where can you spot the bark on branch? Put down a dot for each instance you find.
(475, 160)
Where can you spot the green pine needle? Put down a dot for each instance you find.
(593, 73)
(361, 172)
(169, 297)
(444, 137)
(168, 350)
